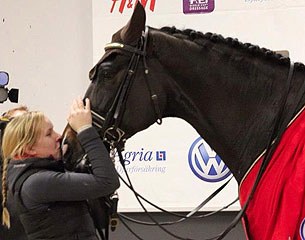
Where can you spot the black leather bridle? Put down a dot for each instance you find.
(109, 126)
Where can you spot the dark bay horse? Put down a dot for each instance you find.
(240, 97)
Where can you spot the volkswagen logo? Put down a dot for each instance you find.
(302, 230)
(205, 163)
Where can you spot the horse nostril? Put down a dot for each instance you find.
(64, 149)
(66, 152)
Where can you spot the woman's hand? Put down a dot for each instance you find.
(80, 116)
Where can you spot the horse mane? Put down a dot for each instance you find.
(197, 37)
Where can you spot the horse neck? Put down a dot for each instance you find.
(229, 96)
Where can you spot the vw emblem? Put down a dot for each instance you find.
(302, 230)
(205, 163)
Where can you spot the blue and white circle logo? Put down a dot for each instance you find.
(302, 230)
(205, 163)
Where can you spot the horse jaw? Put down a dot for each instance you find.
(132, 31)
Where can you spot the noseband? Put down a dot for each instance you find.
(109, 126)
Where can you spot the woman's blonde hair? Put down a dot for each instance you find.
(20, 134)
(10, 114)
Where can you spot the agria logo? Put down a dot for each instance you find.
(205, 163)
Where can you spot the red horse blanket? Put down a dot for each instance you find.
(277, 210)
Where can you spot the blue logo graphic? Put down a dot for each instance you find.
(302, 230)
(205, 163)
(142, 161)
(160, 155)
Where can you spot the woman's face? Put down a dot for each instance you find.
(48, 143)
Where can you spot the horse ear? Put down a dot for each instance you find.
(136, 25)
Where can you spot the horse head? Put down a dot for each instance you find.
(121, 88)
(122, 106)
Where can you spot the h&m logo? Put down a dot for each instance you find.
(132, 4)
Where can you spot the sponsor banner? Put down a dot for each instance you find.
(171, 165)
(123, 7)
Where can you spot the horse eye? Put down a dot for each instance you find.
(106, 74)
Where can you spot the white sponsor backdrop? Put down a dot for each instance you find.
(169, 182)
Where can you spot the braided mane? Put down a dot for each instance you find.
(196, 37)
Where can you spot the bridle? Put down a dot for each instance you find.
(109, 126)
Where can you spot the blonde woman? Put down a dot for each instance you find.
(16, 231)
(51, 202)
